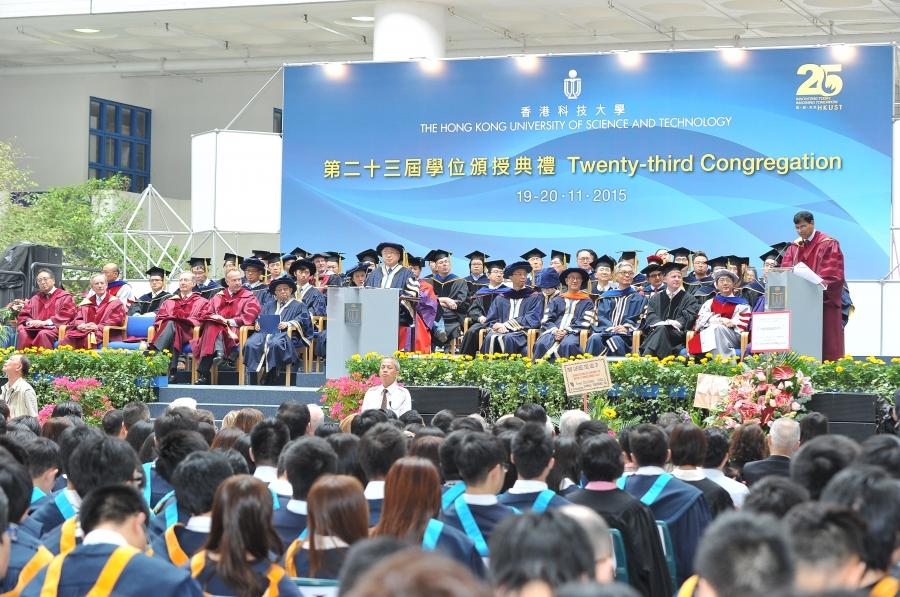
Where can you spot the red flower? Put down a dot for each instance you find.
(783, 373)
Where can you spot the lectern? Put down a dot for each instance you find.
(360, 320)
(786, 291)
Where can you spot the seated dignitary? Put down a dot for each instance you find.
(177, 317)
(231, 309)
(451, 292)
(481, 460)
(392, 274)
(480, 304)
(603, 272)
(569, 314)
(202, 284)
(338, 518)
(653, 277)
(254, 270)
(547, 281)
(669, 315)
(783, 441)
(477, 271)
(114, 286)
(110, 560)
(356, 276)
(721, 319)
(586, 258)
(303, 461)
(603, 463)
(512, 314)
(237, 557)
(532, 455)
(149, 303)
(619, 313)
(195, 480)
(559, 260)
(94, 313)
(412, 501)
(327, 265)
(266, 350)
(40, 318)
(302, 271)
(700, 275)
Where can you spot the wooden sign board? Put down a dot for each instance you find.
(585, 376)
(711, 390)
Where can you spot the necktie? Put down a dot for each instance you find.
(384, 399)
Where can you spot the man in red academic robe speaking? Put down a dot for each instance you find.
(97, 311)
(229, 310)
(40, 318)
(176, 319)
(823, 255)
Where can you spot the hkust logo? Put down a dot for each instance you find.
(821, 83)
(572, 85)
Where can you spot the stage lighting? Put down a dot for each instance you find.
(630, 59)
(843, 52)
(431, 66)
(733, 55)
(528, 63)
(335, 70)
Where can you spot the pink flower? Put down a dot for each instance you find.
(782, 373)
(795, 406)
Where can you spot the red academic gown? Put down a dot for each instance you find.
(426, 309)
(109, 312)
(823, 255)
(242, 307)
(185, 314)
(59, 307)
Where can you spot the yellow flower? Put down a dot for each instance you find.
(704, 360)
(838, 369)
(609, 413)
(356, 357)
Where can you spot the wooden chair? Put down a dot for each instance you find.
(531, 336)
(243, 334)
(136, 326)
(306, 352)
(745, 340)
(319, 326)
(105, 342)
(635, 340)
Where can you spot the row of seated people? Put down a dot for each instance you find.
(499, 504)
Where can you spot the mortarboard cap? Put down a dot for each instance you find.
(670, 266)
(415, 261)
(477, 255)
(199, 261)
(780, 247)
(260, 254)
(717, 262)
(299, 253)
(564, 257)
(382, 246)
(547, 278)
(288, 257)
(437, 254)
(370, 255)
(630, 255)
(604, 260)
(253, 262)
(745, 261)
(236, 259)
(680, 252)
(533, 253)
(156, 271)
(770, 254)
(302, 264)
(494, 263)
(362, 266)
(273, 256)
(282, 280)
(335, 256)
(652, 268)
(507, 272)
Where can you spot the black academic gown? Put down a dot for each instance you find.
(452, 287)
(664, 340)
(647, 569)
(148, 303)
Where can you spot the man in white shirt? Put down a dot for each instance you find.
(16, 392)
(388, 395)
(716, 458)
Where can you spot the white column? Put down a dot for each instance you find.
(405, 30)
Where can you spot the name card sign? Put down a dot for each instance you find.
(771, 331)
(585, 376)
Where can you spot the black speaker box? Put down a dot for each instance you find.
(428, 400)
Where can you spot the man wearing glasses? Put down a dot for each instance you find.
(619, 313)
(40, 318)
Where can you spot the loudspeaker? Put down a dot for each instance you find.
(429, 400)
(853, 415)
(20, 258)
(857, 431)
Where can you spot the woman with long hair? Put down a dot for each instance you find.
(236, 558)
(748, 444)
(338, 517)
(412, 503)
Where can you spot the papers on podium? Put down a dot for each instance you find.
(804, 271)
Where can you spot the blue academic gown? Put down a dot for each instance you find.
(614, 308)
(23, 548)
(168, 513)
(53, 540)
(189, 541)
(213, 584)
(143, 576)
(525, 502)
(158, 487)
(330, 562)
(207, 289)
(571, 315)
(313, 299)
(49, 516)
(397, 277)
(374, 511)
(520, 310)
(288, 524)
(683, 508)
(265, 352)
(486, 517)
(455, 544)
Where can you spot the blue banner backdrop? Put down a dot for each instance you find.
(677, 149)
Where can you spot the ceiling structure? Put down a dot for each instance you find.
(261, 37)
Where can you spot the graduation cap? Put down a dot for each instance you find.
(629, 256)
(495, 263)
(437, 255)
(370, 255)
(302, 264)
(655, 259)
(681, 252)
(780, 247)
(382, 246)
(362, 266)
(717, 262)
(575, 270)
(253, 262)
(335, 256)
(272, 256)
(300, 253)
(604, 260)
(770, 254)
(547, 278)
(235, 259)
(156, 271)
(288, 257)
(282, 280)
(652, 268)
(260, 254)
(508, 271)
(477, 255)
(415, 261)
(563, 257)
(531, 253)
(204, 262)
(670, 266)
(321, 255)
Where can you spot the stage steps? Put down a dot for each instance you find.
(223, 398)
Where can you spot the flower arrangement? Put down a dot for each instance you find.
(86, 391)
(773, 389)
(343, 396)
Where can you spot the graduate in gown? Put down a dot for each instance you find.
(823, 255)
(570, 312)
(316, 302)
(202, 284)
(392, 274)
(603, 273)
(230, 310)
(451, 292)
(532, 452)
(177, 317)
(619, 313)
(96, 312)
(535, 258)
(559, 260)
(480, 305)
(670, 314)
(254, 270)
(324, 277)
(477, 271)
(265, 352)
(149, 303)
(721, 319)
(653, 276)
(40, 318)
(512, 314)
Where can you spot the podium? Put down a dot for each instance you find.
(786, 291)
(360, 320)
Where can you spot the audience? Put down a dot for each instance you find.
(302, 462)
(747, 444)
(532, 454)
(882, 450)
(813, 425)
(783, 442)
(379, 448)
(570, 420)
(715, 462)
(775, 495)
(687, 443)
(820, 459)
(267, 439)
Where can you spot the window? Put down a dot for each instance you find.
(276, 120)
(119, 141)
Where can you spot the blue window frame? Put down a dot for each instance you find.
(119, 141)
